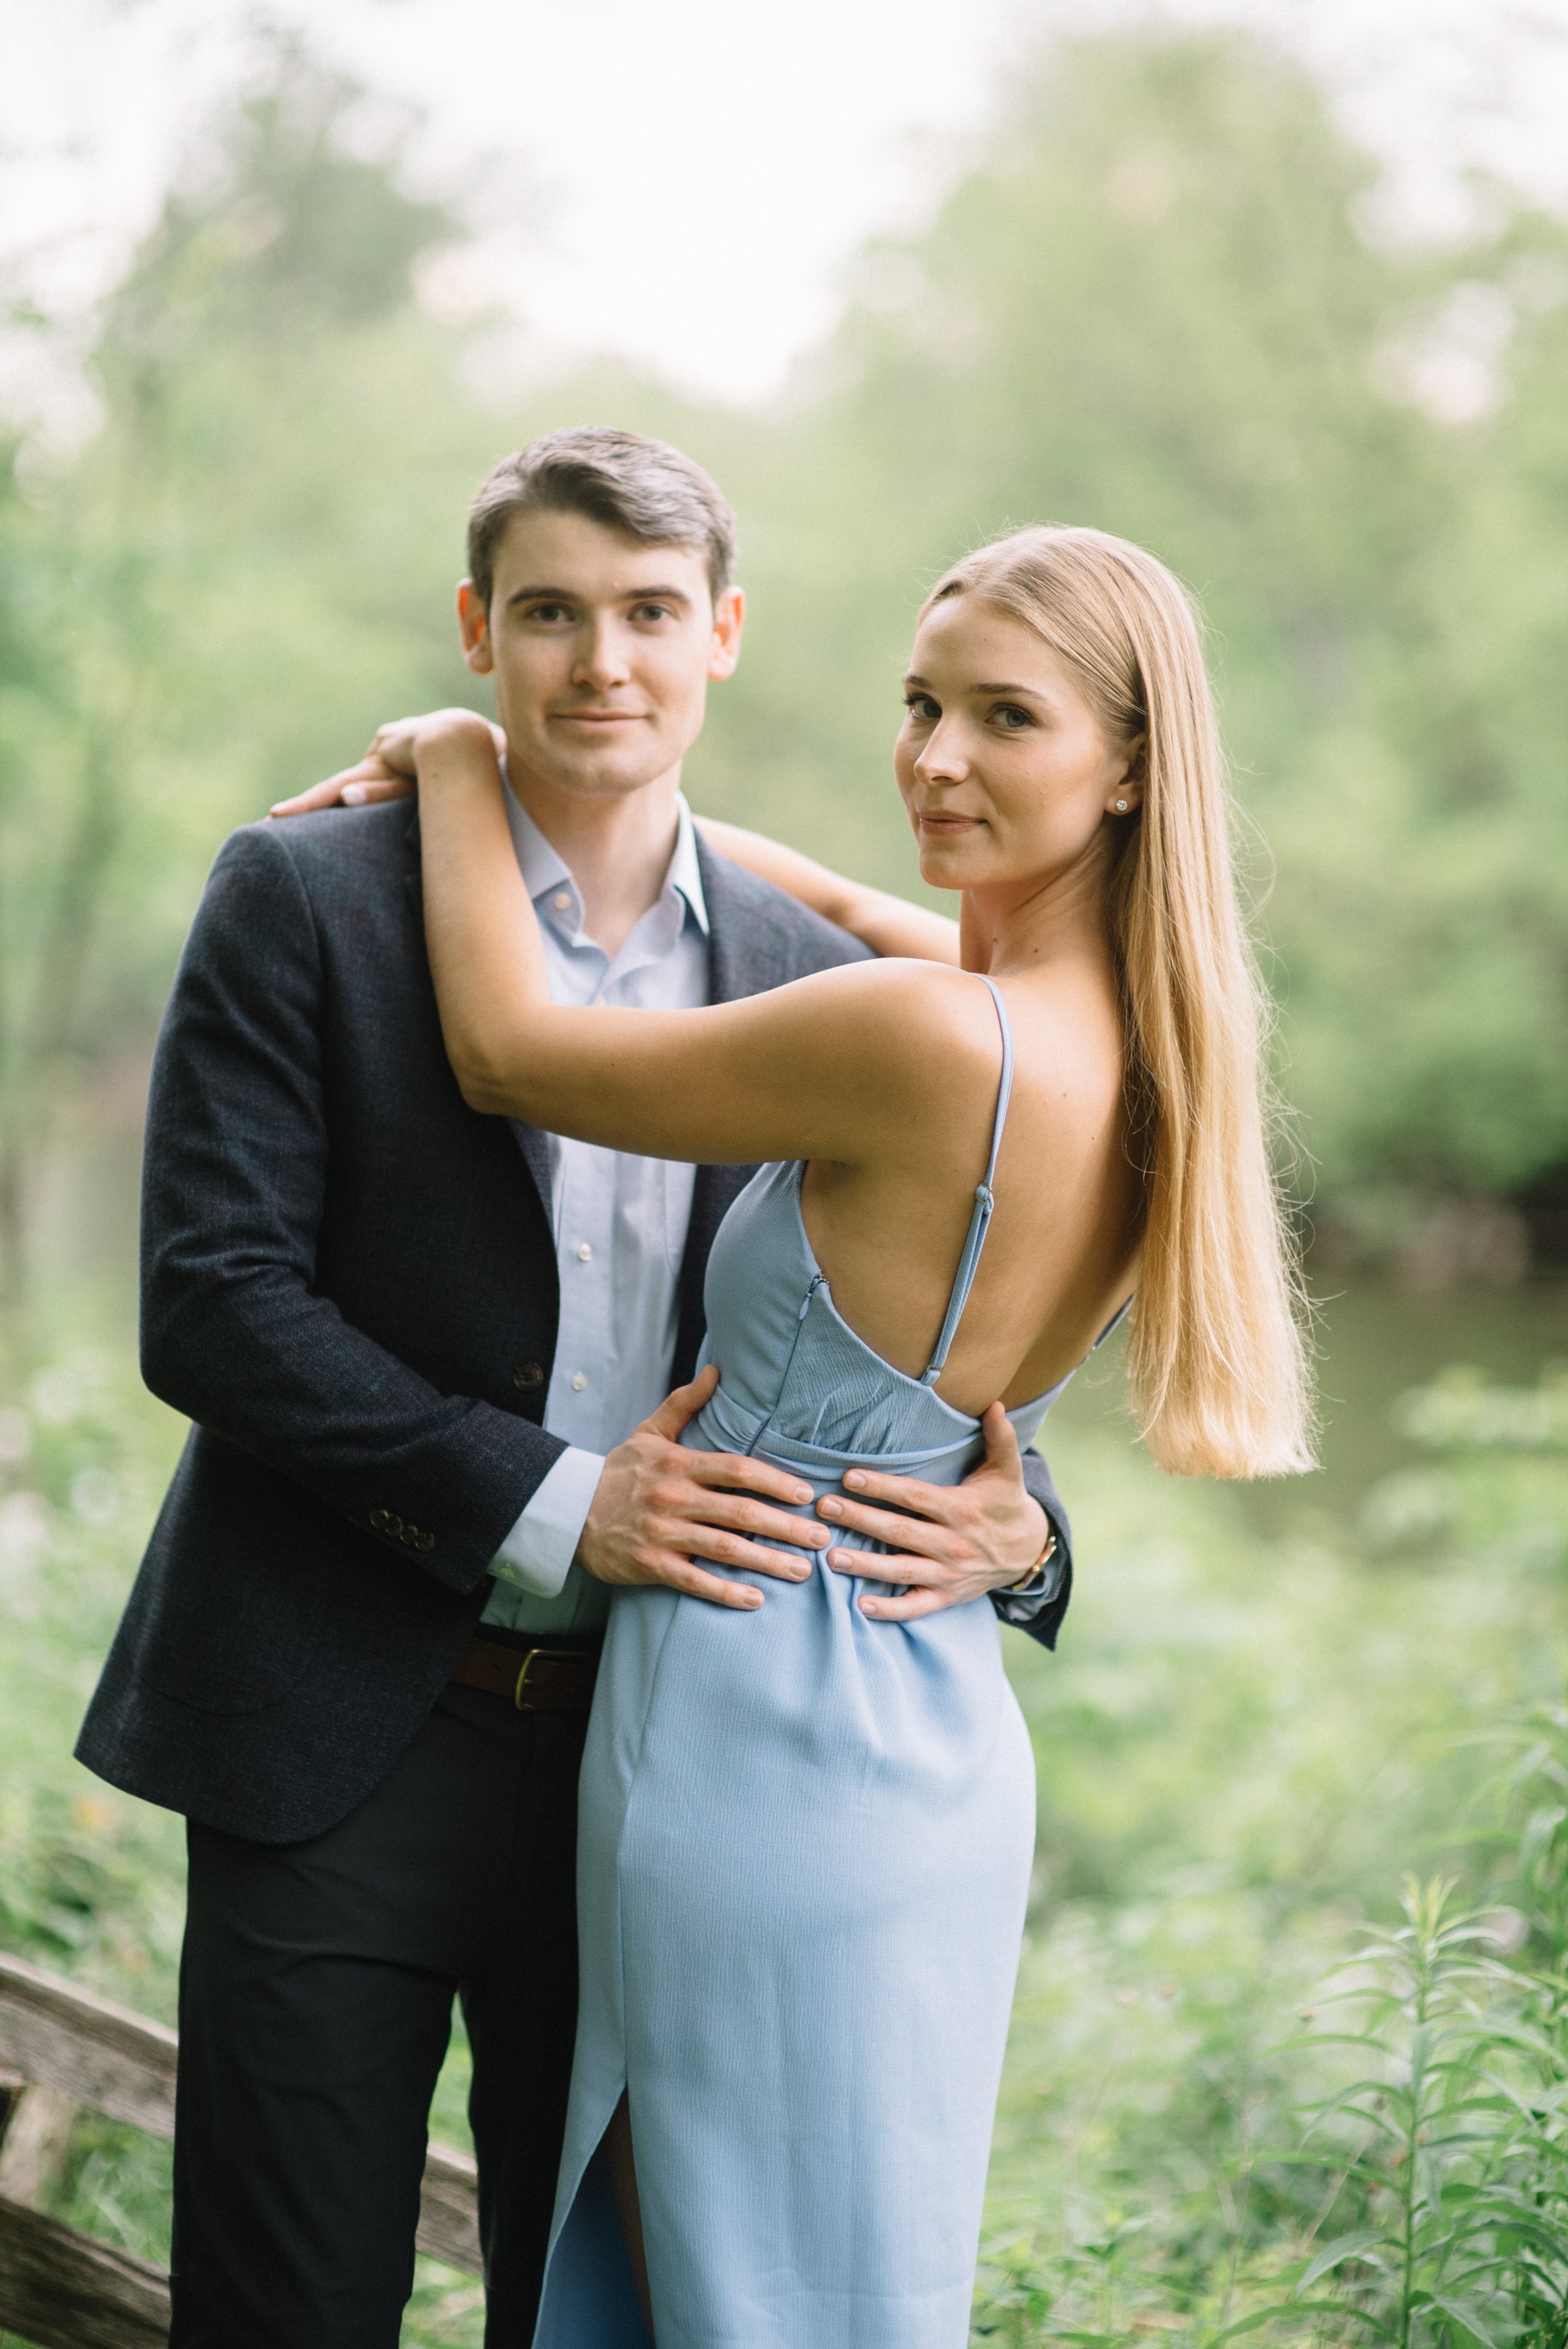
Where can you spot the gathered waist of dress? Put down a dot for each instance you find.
(720, 1426)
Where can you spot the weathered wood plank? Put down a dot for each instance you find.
(113, 2062)
(33, 2134)
(62, 2290)
(449, 2209)
(63, 2037)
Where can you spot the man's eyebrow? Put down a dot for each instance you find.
(570, 596)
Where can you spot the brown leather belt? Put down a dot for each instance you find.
(538, 1680)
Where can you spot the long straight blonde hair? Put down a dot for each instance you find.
(1217, 1363)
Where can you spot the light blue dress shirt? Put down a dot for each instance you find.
(620, 1227)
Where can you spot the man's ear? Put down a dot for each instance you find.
(473, 623)
(729, 619)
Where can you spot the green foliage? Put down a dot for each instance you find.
(220, 594)
(1150, 304)
(1450, 2161)
(1243, 1743)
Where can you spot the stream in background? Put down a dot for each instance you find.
(1376, 1339)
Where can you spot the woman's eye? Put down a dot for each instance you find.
(921, 709)
(1009, 716)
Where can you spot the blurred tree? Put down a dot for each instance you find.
(226, 588)
(1149, 305)
(1424, 859)
(1152, 306)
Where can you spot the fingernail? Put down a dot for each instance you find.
(831, 1509)
(353, 794)
(802, 1492)
(818, 1537)
(855, 1480)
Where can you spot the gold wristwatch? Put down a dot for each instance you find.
(1020, 1589)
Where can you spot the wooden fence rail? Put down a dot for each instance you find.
(61, 2048)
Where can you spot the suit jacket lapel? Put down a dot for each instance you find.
(535, 1145)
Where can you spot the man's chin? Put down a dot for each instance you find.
(593, 777)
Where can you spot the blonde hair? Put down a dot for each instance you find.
(1217, 1363)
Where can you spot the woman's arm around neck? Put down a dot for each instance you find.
(836, 1066)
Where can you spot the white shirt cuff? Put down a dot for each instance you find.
(540, 1548)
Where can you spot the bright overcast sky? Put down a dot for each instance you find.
(685, 183)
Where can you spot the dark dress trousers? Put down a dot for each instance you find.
(350, 1286)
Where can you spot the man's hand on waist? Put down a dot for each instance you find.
(661, 1506)
(949, 1543)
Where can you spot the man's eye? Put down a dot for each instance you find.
(651, 612)
(550, 614)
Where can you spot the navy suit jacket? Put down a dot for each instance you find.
(348, 1285)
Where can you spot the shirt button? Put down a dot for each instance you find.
(585, 1254)
(561, 900)
(578, 1383)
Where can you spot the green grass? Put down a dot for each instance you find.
(1251, 1741)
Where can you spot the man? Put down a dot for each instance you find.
(424, 1350)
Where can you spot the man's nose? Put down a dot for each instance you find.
(601, 660)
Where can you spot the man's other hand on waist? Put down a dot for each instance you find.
(661, 1506)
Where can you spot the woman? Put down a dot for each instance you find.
(806, 1833)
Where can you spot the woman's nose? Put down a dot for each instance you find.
(941, 759)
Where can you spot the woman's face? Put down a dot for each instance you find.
(1006, 771)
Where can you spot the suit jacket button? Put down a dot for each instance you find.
(410, 1535)
(380, 1520)
(528, 1377)
(424, 1541)
(393, 1526)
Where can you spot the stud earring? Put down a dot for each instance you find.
(1121, 807)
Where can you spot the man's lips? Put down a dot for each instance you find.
(598, 716)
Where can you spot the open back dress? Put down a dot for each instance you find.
(805, 1843)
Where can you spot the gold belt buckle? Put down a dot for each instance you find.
(534, 1656)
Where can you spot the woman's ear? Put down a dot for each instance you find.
(1127, 793)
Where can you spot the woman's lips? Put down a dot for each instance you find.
(947, 823)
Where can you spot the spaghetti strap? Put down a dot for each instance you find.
(980, 1221)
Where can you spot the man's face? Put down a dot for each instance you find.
(601, 649)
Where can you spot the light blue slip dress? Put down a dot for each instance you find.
(805, 1844)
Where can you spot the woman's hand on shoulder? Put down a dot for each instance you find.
(386, 769)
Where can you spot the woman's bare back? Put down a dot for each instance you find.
(1060, 1252)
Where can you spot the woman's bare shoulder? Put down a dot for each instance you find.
(1070, 1070)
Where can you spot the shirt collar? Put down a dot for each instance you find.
(545, 871)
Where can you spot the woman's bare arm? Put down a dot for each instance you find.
(886, 924)
(838, 1066)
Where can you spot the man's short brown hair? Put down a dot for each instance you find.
(622, 481)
